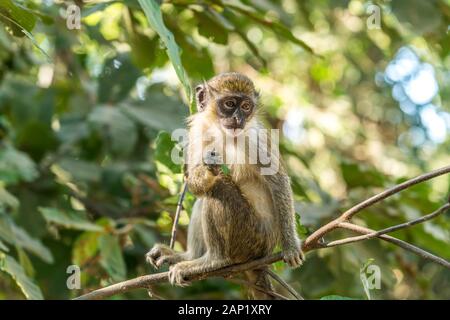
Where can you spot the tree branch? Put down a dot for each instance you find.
(177, 215)
(284, 284)
(314, 238)
(376, 234)
(403, 244)
(311, 243)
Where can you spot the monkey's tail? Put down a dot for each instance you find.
(260, 278)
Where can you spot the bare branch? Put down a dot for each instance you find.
(285, 284)
(375, 234)
(314, 238)
(177, 215)
(405, 245)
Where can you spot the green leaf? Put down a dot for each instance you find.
(16, 166)
(163, 149)
(25, 262)
(14, 235)
(21, 22)
(82, 171)
(9, 265)
(302, 231)
(157, 111)
(143, 50)
(225, 169)
(111, 257)
(154, 17)
(69, 219)
(85, 248)
(360, 175)
(16, 17)
(336, 297)
(117, 129)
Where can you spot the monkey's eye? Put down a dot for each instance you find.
(246, 106)
(229, 104)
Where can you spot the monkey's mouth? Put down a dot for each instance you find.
(233, 131)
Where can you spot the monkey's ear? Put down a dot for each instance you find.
(201, 96)
(203, 93)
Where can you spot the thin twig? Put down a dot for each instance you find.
(177, 214)
(315, 237)
(285, 284)
(403, 244)
(430, 216)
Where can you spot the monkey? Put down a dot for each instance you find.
(239, 216)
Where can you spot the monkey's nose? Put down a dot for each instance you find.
(238, 122)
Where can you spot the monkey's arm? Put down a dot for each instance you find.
(283, 203)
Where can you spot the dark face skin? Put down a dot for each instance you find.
(234, 111)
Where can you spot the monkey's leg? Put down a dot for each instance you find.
(260, 278)
(179, 272)
(161, 254)
(195, 239)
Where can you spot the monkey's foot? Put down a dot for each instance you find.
(161, 254)
(177, 274)
(293, 257)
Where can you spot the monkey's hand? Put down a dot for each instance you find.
(201, 179)
(293, 256)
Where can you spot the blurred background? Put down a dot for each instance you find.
(88, 98)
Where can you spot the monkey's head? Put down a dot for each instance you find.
(229, 97)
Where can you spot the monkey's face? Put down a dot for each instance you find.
(233, 112)
(229, 98)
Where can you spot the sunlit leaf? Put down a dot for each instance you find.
(154, 16)
(16, 17)
(85, 248)
(15, 235)
(9, 265)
